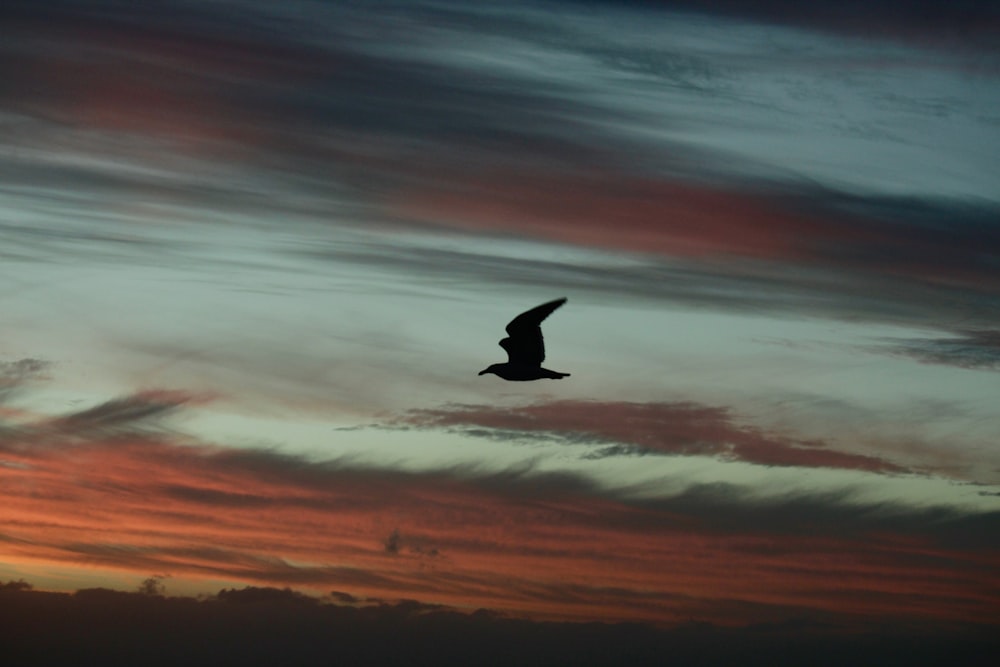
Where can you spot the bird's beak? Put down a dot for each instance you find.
(484, 372)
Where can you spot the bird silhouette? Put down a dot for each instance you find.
(525, 347)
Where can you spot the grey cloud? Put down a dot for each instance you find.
(977, 350)
(965, 24)
(141, 415)
(143, 409)
(14, 375)
(936, 241)
(749, 286)
(727, 507)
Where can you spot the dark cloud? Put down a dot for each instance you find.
(943, 242)
(963, 24)
(392, 542)
(262, 626)
(977, 350)
(730, 507)
(646, 428)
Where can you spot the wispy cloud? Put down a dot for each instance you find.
(979, 350)
(220, 197)
(142, 502)
(645, 428)
(129, 413)
(14, 375)
(203, 113)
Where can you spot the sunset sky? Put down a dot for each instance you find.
(254, 254)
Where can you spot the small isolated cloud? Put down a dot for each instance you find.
(392, 542)
(636, 429)
(396, 542)
(976, 350)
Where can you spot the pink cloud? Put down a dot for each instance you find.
(609, 211)
(667, 428)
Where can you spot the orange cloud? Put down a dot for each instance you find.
(541, 545)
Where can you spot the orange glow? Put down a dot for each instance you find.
(145, 505)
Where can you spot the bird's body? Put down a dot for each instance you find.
(518, 373)
(526, 348)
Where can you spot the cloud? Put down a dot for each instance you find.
(128, 413)
(651, 428)
(138, 415)
(392, 542)
(976, 350)
(788, 249)
(519, 541)
(309, 112)
(14, 375)
(965, 24)
(204, 112)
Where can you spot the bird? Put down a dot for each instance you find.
(525, 347)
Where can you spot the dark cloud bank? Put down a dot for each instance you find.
(268, 626)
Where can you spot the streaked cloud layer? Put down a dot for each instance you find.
(252, 256)
(100, 488)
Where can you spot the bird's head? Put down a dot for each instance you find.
(492, 369)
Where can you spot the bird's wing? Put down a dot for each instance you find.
(525, 344)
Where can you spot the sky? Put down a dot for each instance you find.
(253, 256)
